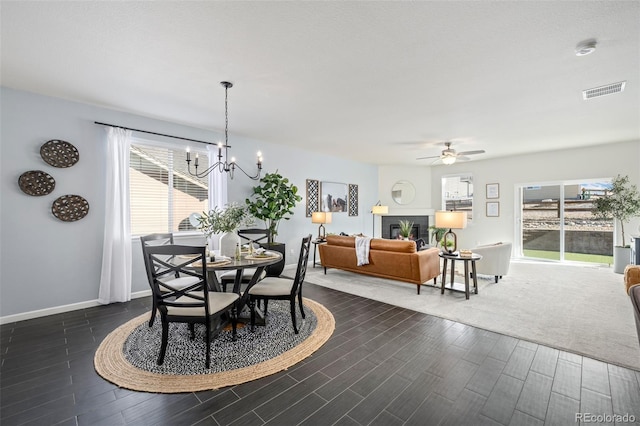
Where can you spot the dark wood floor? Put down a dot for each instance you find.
(384, 365)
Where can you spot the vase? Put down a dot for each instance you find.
(621, 258)
(228, 244)
(276, 269)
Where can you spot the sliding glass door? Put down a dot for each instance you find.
(541, 219)
(557, 223)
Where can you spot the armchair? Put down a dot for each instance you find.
(495, 259)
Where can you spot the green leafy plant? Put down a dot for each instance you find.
(224, 220)
(446, 243)
(622, 203)
(437, 234)
(272, 201)
(405, 228)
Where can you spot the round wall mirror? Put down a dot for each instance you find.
(403, 192)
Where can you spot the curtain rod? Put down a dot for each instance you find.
(153, 133)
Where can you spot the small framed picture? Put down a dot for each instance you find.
(493, 208)
(493, 190)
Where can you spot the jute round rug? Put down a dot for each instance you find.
(127, 356)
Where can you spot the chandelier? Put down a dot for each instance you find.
(223, 166)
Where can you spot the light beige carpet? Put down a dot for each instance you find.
(580, 309)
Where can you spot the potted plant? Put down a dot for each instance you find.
(621, 203)
(272, 201)
(437, 235)
(405, 228)
(226, 222)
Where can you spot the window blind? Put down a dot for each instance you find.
(162, 193)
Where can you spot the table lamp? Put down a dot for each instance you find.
(452, 220)
(378, 209)
(321, 218)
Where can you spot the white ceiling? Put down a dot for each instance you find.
(380, 82)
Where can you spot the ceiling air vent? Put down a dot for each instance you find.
(609, 89)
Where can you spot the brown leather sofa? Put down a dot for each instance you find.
(393, 259)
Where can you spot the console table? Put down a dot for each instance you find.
(466, 259)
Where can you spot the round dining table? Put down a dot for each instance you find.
(246, 261)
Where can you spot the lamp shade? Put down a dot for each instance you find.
(380, 209)
(451, 219)
(321, 217)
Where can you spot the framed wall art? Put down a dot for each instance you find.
(493, 190)
(334, 197)
(313, 197)
(353, 199)
(493, 208)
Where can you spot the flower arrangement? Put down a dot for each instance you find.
(224, 220)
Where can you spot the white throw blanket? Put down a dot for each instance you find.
(362, 250)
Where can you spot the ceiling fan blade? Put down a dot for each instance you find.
(479, 151)
(462, 158)
(426, 158)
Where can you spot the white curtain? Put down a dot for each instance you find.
(115, 279)
(217, 187)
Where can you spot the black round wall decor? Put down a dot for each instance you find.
(36, 183)
(70, 208)
(59, 153)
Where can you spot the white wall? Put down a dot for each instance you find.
(600, 161)
(420, 177)
(46, 263)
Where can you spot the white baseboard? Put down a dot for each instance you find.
(61, 309)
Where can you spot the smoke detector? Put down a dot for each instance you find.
(609, 89)
(585, 47)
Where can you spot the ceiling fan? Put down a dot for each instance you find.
(450, 156)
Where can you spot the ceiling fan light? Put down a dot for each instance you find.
(448, 159)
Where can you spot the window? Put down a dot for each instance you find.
(162, 193)
(457, 193)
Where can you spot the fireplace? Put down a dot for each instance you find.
(391, 227)
(395, 232)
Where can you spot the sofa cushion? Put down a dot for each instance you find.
(399, 246)
(339, 240)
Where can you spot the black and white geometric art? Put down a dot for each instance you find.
(353, 199)
(313, 196)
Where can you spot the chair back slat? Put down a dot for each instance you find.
(303, 259)
(254, 235)
(159, 267)
(153, 240)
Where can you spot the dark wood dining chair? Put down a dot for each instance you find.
(176, 280)
(193, 304)
(281, 288)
